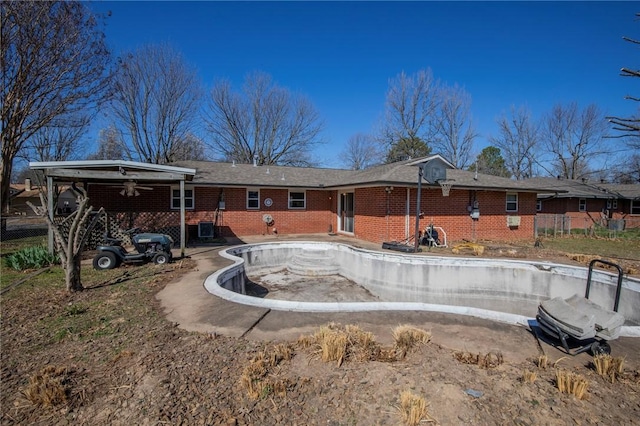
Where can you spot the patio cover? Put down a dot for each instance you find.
(116, 171)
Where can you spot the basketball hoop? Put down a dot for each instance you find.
(445, 185)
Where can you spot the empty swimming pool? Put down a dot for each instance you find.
(502, 290)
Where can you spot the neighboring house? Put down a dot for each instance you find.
(584, 204)
(20, 194)
(376, 204)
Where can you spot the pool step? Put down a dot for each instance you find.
(313, 263)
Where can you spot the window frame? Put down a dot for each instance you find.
(304, 200)
(186, 198)
(507, 202)
(257, 199)
(582, 205)
(538, 205)
(634, 205)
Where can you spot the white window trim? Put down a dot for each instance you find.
(507, 202)
(539, 205)
(193, 198)
(582, 205)
(247, 199)
(304, 200)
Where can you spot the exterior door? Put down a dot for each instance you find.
(346, 212)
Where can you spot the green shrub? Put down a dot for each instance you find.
(35, 257)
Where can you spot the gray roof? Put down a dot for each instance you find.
(569, 188)
(403, 173)
(248, 175)
(630, 191)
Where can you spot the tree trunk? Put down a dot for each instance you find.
(72, 274)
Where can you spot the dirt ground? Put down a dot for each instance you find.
(120, 362)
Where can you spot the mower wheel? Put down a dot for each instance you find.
(105, 260)
(600, 348)
(161, 258)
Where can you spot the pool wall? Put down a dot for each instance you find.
(409, 281)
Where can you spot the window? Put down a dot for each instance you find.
(512, 202)
(297, 200)
(582, 205)
(635, 206)
(188, 198)
(539, 205)
(253, 199)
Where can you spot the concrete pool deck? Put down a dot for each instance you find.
(187, 303)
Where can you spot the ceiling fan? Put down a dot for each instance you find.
(131, 189)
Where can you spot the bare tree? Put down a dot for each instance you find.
(411, 103)
(518, 139)
(190, 147)
(629, 126)
(70, 241)
(54, 64)
(59, 141)
(453, 131)
(264, 123)
(156, 102)
(362, 151)
(110, 145)
(574, 138)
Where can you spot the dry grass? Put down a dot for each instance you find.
(543, 362)
(334, 343)
(406, 337)
(489, 360)
(258, 378)
(529, 376)
(414, 409)
(608, 367)
(477, 249)
(48, 388)
(571, 383)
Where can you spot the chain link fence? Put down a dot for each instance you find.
(559, 225)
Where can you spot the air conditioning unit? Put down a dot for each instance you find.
(513, 221)
(205, 230)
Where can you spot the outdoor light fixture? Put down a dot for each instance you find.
(389, 189)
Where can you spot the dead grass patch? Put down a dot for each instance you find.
(414, 409)
(49, 387)
(406, 337)
(608, 366)
(571, 383)
(258, 377)
(543, 362)
(489, 360)
(334, 343)
(529, 376)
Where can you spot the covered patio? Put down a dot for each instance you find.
(131, 176)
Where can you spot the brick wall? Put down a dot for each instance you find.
(373, 224)
(593, 211)
(236, 219)
(378, 216)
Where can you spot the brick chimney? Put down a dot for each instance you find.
(27, 184)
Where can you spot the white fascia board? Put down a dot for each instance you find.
(108, 163)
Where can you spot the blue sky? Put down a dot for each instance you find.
(341, 55)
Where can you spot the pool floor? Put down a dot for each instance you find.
(284, 285)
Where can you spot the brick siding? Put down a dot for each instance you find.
(378, 216)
